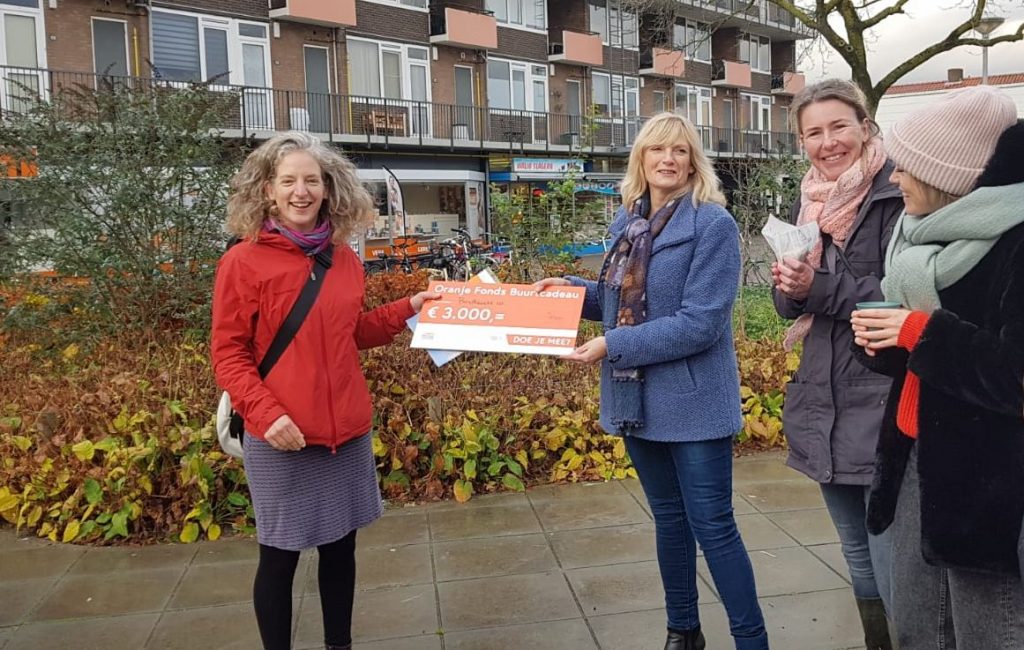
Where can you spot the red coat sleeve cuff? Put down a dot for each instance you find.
(912, 329)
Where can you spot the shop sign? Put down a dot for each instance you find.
(600, 187)
(546, 166)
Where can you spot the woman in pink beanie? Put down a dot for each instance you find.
(949, 477)
(834, 405)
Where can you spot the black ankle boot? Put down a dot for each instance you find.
(328, 646)
(875, 624)
(685, 640)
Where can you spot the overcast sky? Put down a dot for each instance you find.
(899, 37)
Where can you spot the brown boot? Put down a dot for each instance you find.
(876, 625)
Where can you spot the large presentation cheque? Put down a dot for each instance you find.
(500, 318)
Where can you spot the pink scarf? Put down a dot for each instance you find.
(834, 206)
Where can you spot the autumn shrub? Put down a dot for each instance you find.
(110, 438)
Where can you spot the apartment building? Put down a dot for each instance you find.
(450, 95)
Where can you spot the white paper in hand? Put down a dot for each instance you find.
(789, 241)
(441, 357)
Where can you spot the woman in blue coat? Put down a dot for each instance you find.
(669, 383)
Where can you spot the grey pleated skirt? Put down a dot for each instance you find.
(311, 497)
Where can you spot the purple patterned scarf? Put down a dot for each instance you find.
(311, 243)
(625, 299)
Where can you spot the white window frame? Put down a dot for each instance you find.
(236, 64)
(758, 104)
(398, 3)
(92, 45)
(406, 63)
(505, 22)
(701, 39)
(625, 87)
(607, 33)
(754, 42)
(529, 79)
(36, 14)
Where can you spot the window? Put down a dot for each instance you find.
(507, 83)
(22, 49)
(757, 51)
(616, 96)
(617, 27)
(693, 38)
(390, 70)
(659, 101)
(192, 47)
(756, 112)
(694, 103)
(531, 14)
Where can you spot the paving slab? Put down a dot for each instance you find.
(595, 512)
(473, 558)
(778, 496)
(86, 634)
(228, 627)
(809, 527)
(634, 630)
(395, 528)
(579, 491)
(623, 588)
(20, 597)
(100, 561)
(832, 555)
(483, 521)
(603, 546)
(768, 467)
(505, 600)
(236, 549)
(214, 584)
(564, 635)
(108, 595)
(388, 566)
(38, 561)
(388, 613)
(786, 571)
(759, 532)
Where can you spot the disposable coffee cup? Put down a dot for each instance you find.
(879, 304)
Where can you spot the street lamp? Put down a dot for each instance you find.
(986, 26)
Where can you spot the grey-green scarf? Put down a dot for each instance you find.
(929, 254)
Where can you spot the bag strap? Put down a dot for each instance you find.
(293, 321)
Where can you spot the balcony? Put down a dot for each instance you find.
(788, 83)
(464, 27)
(730, 74)
(383, 122)
(663, 62)
(336, 13)
(577, 48)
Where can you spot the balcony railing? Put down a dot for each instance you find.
(731, 74)
(386, 122)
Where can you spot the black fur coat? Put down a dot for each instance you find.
(970, 360)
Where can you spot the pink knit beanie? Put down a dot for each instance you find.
(947, 143)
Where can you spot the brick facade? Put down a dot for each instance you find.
(69, 35)
(391, 23)
(252, 9)
(521, 44)
(288, 58)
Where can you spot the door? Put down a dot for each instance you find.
(725, 139)
(256, 98)
(463, 114)
(110, 50)
(574, 106)
(318, 90)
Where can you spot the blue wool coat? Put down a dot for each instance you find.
(685, 347)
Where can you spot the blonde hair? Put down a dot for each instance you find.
(347, 204)
(934, 196)
(839, 90)
(668, 129)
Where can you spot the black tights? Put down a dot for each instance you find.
(272, 592)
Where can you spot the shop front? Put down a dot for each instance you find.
(435, 201)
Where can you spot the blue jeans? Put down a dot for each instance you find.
(689, 488)
(868, 557)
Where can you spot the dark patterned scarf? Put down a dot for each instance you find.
(625, 280)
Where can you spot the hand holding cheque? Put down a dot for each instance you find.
(501, 318)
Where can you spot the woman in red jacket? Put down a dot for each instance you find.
(307, 447)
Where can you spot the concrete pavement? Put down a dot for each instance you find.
(568, 567)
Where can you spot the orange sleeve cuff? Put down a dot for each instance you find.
(912, 329)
